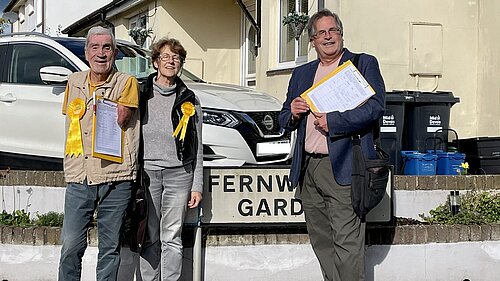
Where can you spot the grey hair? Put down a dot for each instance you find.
(323, 13)
(99, 30)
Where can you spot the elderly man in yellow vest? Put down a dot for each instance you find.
(98, 184)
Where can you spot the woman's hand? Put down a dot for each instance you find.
(194, 200)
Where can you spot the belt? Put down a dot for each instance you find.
(316, 155)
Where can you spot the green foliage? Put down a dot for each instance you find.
(475, 208)
(50, 219)
(21, 218)
(295, 18)
(17, 218)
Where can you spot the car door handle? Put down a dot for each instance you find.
(8, 98)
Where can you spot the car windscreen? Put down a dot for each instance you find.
(130, 59)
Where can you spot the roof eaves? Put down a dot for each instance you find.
(92, 18)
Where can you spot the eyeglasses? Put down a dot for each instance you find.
(322, 33)
(167, 57)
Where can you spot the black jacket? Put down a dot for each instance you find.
(187, 148)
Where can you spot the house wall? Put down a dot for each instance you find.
(59, 14)
(470, 58)
(209, 31)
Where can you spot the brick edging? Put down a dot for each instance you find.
(376, 235)
(479, 182)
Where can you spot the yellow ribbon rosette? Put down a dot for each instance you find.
(188, 110)
(74, 145)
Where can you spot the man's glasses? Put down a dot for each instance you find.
(167, 57)
(322, 33)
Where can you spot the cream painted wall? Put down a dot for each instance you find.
(471, 65)
(488, 90)
(209, 31)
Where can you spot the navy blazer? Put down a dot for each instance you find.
(341, 125)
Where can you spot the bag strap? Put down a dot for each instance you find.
(375, 127)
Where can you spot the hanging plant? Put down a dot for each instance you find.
(140, 34)
(297, 22)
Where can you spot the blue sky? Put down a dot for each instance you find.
(3, 3)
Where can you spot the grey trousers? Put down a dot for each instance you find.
(337, 235)
(161, 258)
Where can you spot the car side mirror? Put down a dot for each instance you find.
(54, 74)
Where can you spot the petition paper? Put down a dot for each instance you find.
(343, 89)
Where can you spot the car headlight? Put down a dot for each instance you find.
(219, 118)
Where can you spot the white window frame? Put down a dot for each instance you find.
(245, 77)
(298, 59)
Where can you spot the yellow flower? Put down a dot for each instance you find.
(465, 165)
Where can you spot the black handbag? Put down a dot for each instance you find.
(139, 213)
(369, 178)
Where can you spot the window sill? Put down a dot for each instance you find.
(280, 71)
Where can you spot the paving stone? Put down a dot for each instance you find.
(51, 236)
(7, 234)
(400, 182)
(28, 237)
(17, 235)
(404, 235)
(212, 240)
(495, 232)
(488, 182)
(454, 233)
(258, 239)
(411, 182)
(485, 232)
(420, 234)
(442, 182)
(454, 183)
(39, 236)
(496, 181)
(272, 238)
(422, 183)
(59, 179)
(464, 233)
(475, 233)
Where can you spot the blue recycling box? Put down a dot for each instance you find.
(449, 163)
(417, 163)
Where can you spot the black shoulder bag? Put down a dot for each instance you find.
(369, 176)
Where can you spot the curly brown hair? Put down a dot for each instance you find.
(174, 45)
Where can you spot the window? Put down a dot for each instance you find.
(290, 49)
(27, 59)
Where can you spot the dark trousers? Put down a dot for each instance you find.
(337, 235)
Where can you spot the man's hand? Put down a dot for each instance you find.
(124, 115)
(321, 123)
(298, 107)
(195, 199)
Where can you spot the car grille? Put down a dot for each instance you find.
(266, 121)
(254, 130)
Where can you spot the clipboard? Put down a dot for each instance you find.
(347, 87)
(107, 136)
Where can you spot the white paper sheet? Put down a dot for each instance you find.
(343, 89)
(107, 133)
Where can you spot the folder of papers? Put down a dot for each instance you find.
(107, 136)
(342, 89)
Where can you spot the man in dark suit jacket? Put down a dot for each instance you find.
(322, 160)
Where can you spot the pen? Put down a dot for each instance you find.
(93, 98)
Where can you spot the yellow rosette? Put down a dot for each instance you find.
(74, 145)
(188, 110)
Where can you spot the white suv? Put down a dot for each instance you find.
(240, 125)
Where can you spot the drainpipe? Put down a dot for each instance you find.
(43, 16)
